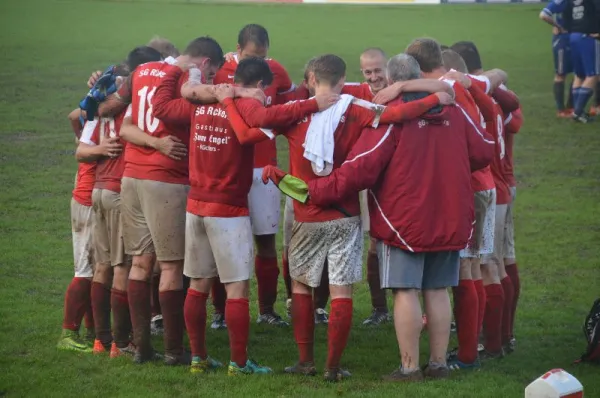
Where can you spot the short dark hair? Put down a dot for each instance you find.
(141, 55)
(328, 69)
(253, 33)
(444, 47)
(427, 52)
(252, 70)
(453, 60)
(205, 47)
(468, 51)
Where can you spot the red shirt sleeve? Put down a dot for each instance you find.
(300, 93)
(243, 132)
(281, 79)
(353, 89)
(482, 82)
(256, 115)
(513, 122)
(480, 145)
(367, 159)
(124, 92)
(508, 100)
(408, 110)
(484, 102)
(166, 106)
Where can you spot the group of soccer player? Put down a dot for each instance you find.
(576, 49)
(177, 199)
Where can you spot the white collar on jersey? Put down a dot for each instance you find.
(170, 60)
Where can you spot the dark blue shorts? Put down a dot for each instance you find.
(561, 49)
(585, 52)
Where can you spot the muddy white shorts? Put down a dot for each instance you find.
(482, 236)
(83, 248)
(339, 241)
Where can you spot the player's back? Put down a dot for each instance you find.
(495, 127)
(148, 163)
(347, 133)
(583, 16)
(220, 167)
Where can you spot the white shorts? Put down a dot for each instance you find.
(264, 202)
(218, 246)
(497, 257)
(364, 210)
(509, 228)
(82, 226)
(482, 236)
(288, 221)
(340, 242)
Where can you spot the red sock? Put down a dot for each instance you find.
(194, 311)
(303, 322)
(119, 305)
(101, 308)
(513, 272)
(171, 303)
(237, 313)
(492, 321)
(77, 300)
(340, 321)
(267, 273)
(219, 295)
(509, 296)
(155, 300)
(466, 309)
(285, 265)
(481, 299)
(139, 294)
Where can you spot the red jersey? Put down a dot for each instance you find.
(512, 125)
(359, 90)
(481, 180)
(147, 163)
(220, 167)
(86, 173)
(265, 152)
(359, 114)
(109, 171)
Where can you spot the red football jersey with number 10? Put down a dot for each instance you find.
(265, 153)
(147, 163)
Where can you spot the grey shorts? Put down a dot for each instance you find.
(401, 269)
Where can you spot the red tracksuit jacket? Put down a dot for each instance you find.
(419, 175)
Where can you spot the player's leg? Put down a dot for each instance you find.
(156, 324)
(492, 321)
(321, 296)
(219, 296)
(510, 263)
(235, 267)
(344, 259)
(307, 255)
(441, 271)
(138, 243)
(507, 286)
(559, 52)
(103, 275)
(380, 312)
(200, 266)
(402, 272)
(590, 58)
(288, 222)
(121, 265)
(264, 202)
(164, 206)
(77, 297)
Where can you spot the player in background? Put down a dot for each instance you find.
(154, 191)
(78, 295)
(329, 233)
(102, 145)
(470, 291)
(583, 20)
(217, 207)
(498, 285)
(561, 50)
(512, 125)
(264, 200)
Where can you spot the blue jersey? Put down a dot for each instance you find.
(555, 9)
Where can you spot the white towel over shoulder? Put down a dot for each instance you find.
(319, 142)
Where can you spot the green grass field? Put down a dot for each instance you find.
(49, 48)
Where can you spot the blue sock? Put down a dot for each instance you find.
(582, 97)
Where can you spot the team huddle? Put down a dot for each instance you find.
(177, 200)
